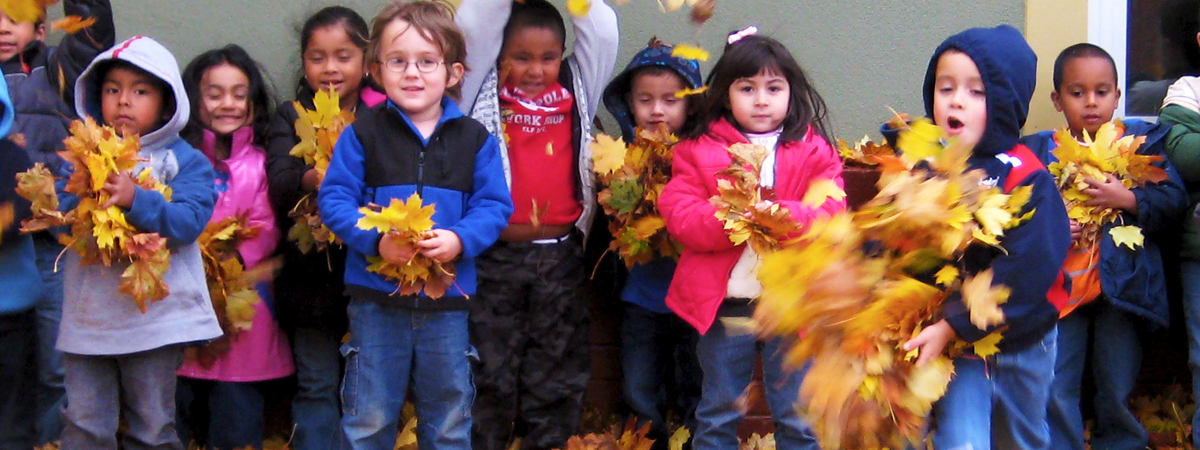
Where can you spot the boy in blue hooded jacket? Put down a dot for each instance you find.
(658, 349)
(1132, 295)
(977, 89)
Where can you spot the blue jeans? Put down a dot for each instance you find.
(998, 403)
(1190, 277)
(316, 409)
(1116, 349)
(658, 362)
(393, 348)
(229, 414)
(17, 369)
(138, 386)
(728, 358)
(51, 396)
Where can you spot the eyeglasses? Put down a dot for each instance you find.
(400, 65)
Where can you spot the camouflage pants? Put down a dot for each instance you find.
(529, 324)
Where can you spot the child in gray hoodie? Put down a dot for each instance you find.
(118, 359)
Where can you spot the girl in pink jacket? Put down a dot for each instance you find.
(757, 94)
(231, 112)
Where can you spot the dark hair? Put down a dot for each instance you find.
(536, 14)
(1081, 50)
(1178, 22)
(258, 95)
(434, 20)
(354, 25)
(164, 88)
(746, 58)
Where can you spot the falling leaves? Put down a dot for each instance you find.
(860, 284)
(101, 235)
(688, 51)
(631, 179)
(25, 10)
(72, 24)
(1106, 154)
(410, 222)
(689, 91)
(318, 130)
(865, 153)
(579, 8)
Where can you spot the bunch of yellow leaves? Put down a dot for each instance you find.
(101, 235)
(861, 284)
(1106, 154)
(631, 179)
(746, 209)
(229, 284)
(411, 222)
(318, 131)
(865, 153)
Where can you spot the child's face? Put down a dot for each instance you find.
(404, 57)
(15, 36)
(224, 99)
(332, 59)
(1088, 95)
(959, 98)
(652, 99)
(131, 102)
(759, 103)
(531, 59)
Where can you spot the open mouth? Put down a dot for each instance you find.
(954, 125)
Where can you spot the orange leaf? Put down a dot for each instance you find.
(72, 24)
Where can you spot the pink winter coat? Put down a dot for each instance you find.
(262, 352)
(698, 288)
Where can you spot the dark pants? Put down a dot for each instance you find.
(529, 323)
(658, 362)
(18, 369)
(227, 415)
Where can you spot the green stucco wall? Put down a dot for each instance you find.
(864, 55)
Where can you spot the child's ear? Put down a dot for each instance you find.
(454, 74)
(39, 32)
(373, 70)
(1054, 98)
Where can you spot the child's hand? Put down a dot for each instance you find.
(932, 340)
(442, 246)
(395, 251)
(1110, 193)
(120, 189)
(1076, 230)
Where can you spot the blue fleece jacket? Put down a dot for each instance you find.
(19, 277)
(647, 283)
(1033, 251)
(477, 214)
(1133, 280)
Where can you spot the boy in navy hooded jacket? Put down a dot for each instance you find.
(977, 88)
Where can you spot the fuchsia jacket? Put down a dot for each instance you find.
(698, 288)
(262, 352)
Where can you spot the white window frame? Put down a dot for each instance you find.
(1108, 28)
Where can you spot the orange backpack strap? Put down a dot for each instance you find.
(1023, 163)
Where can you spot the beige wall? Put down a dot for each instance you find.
(864, 55)
(1051, 25)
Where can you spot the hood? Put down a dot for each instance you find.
(1009, 70)
(7, 112)
(655, 55)
(149, 55)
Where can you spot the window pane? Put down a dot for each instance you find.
(1162, 46)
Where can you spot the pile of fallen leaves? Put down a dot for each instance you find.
(318, 131)
(411, 222)
(631, 179)
(861, 284)
(230, 286)
(101, 235)
(747, 210)
(1097, 158)
(627, 437)
(1167, 416)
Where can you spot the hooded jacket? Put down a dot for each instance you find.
(700, 281)
(18, 264)
(1133, 280)
(1181, 110)
(35, 75)
(647, 283)
(97, 318)
(1035, 250)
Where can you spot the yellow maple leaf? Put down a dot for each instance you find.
(988, 346)
(608, 154)
(1129, 236)
(922, 139)
(946, 275)
(579, 8)
(821, 190)
(689, 91)
(983, 299)
(688, 51)
(678, 438)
